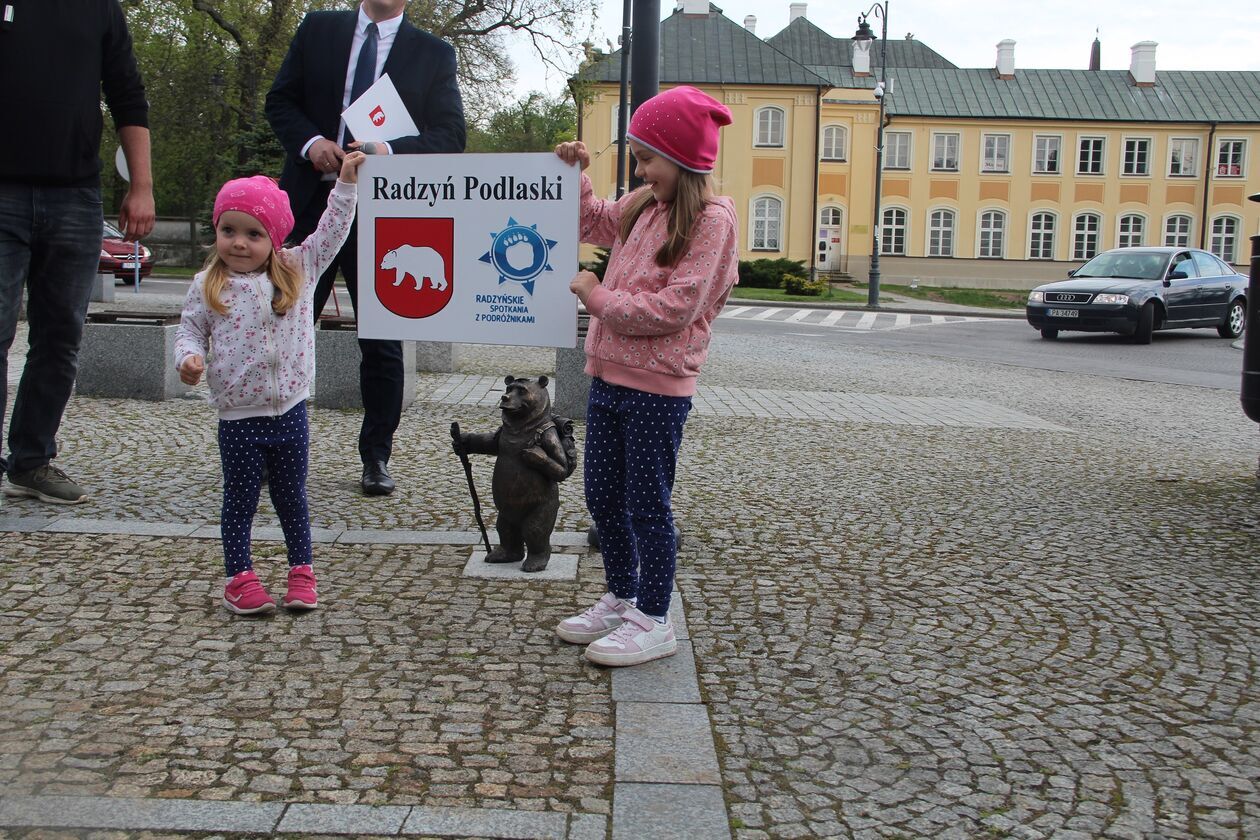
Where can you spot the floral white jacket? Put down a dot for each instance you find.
(260, 364)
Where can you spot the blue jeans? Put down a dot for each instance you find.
(50, 243)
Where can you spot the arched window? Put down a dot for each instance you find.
(1225, 238)
(831, 217)
(1177, 231)
(767, 224)
(1085, 236)
(835, 143)
(941, 224)
(1041, 237)
(992, 235)
(770, 127)
(892, 233)
(1132, 232)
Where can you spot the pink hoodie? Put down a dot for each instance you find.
(650, 326)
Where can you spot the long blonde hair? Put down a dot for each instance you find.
(690, 197)
(286, 280)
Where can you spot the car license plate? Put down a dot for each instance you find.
(1064, 313)
(131, 265)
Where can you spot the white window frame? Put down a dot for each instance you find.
(1058, 160)
(1102, 154)
(827, 207)
(1051, 234)
(1175, 142)
(766, 245)
(984, 154)
(1124, 156)
(1242, 158)
(884, 227)
(941, 232)
(1124, 237)
(888, 142)
(844, 144)
(937, 137)
(1077, 253)
(1003, 231)
(1222, 245)
(769, 143)
(1189, 232)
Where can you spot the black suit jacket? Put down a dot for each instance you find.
(305, 99)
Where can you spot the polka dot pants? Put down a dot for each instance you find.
(282, 444)
(632, 440)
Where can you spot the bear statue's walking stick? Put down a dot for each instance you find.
(472, 488)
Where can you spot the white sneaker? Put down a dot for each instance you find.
(594, 623)
(638, 639)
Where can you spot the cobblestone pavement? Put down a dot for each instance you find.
(1037, 621)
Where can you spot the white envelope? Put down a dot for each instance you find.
(379, 114)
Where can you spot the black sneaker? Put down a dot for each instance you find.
(46, 483)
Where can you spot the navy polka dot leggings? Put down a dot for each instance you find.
(632, 440)
(282, 443)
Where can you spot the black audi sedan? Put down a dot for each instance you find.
(1135, 291)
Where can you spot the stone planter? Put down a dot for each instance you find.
(129, 355)
(337, 366)
(573, 386)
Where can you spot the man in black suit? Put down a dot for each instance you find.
(333, 57)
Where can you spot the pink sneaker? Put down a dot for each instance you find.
(638, 639)
(301, 594)
(244, 595)
(595, 623)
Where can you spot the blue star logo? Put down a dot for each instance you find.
(512, 236)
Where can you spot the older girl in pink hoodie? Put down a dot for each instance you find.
(674, 259)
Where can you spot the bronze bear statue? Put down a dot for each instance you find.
(535, 451)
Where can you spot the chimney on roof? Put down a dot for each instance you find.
(1006, 59)
(797, 11)
(750, 23)
(1095, 54)
(695, 7)
(1142, 64)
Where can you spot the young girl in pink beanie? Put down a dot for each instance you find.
(247, 323)
(674, 259)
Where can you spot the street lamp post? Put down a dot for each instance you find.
(862, 41)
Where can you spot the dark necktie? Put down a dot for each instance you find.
(365, 69)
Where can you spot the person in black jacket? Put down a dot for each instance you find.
(55, 57)
(314, 85)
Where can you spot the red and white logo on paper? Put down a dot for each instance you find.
(377, 116)
(415, 263)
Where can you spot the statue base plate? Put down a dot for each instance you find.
(559, 567)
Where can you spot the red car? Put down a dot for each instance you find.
(118, 257)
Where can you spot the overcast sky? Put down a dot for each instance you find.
(1216, 36)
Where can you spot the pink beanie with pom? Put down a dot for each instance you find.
(262, 198)
(681, 124)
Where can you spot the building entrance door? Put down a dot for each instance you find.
(830, 239)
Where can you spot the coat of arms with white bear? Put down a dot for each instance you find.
(418, 262)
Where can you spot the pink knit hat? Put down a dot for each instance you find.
(681, 124)
(260, 197)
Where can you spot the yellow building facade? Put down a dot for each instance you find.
(987, 195)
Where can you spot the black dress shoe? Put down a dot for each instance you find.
(376, 480)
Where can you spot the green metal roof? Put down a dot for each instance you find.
(712, 49)
(811, 46)
(1084, 95)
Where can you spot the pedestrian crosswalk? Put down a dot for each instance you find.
(855, 320)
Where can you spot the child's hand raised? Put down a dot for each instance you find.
(574, 152)
(350, 167)
(190, 370)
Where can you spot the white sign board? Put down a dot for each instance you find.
(468, 248)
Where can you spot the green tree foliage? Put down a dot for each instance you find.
(533, 123)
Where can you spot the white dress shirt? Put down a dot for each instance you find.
(386, 31)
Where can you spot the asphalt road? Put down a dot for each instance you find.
(1180, 357)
